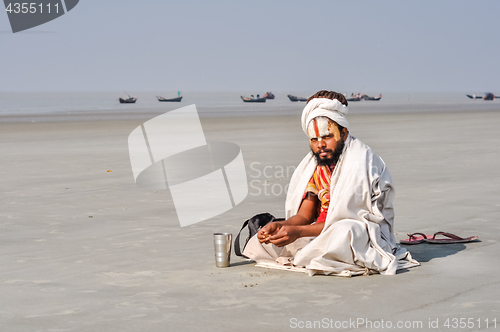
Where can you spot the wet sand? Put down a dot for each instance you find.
(85, 249)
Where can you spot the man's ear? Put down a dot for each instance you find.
(345, 133)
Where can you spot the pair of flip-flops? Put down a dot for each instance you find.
(448, 238)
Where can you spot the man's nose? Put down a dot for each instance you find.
(321, 143)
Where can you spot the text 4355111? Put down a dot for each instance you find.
(31, 8)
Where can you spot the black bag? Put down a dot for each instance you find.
(254, 224)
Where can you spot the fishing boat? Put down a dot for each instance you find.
(366, 97)
(355, 97)
(252, 99)
(129, 100)
(487, 96)
(295, 98)
(358, 97)
(269, 95)
(176, 99)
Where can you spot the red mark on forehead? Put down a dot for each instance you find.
(316, 130)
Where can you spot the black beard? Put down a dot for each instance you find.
(335, 156)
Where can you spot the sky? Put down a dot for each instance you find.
(387, 46)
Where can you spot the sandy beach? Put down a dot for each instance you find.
(85, 249)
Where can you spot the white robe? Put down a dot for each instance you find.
(358, 234)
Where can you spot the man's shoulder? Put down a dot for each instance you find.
(358, 145)
(358, 149)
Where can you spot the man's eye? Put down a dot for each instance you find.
(314, 139)
(327, 136)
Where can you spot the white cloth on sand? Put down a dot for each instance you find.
(358, 234)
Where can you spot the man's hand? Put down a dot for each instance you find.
(265, 232)
(285, 235)
(285, 232)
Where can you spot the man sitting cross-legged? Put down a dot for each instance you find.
(338, 206)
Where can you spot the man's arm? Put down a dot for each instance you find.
(285, 232)
(308, 211)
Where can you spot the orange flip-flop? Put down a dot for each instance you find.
(412, 239)
(451, 238)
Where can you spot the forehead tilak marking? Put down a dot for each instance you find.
(318, 127)
(316, 130)
(323, 126)
(323, 123)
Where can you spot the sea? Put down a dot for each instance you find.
(27, 105)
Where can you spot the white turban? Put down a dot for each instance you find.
(332, 109)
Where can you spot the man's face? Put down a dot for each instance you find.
(328, 148)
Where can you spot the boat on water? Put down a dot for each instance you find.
(295, 98)
(269, 95)
(252, 99)
(359, 97)
(176, 99)
(354, 97)
(129, 100)
(366, 97)
(487, 96)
